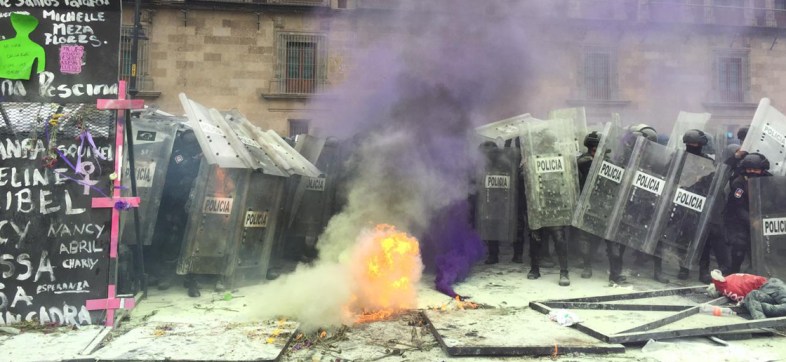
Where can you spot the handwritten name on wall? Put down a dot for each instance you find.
(53, 246)
(59, 50)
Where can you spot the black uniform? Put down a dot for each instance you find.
(614, 251)
(737, 220)
(182, 171)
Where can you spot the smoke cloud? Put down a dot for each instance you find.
(415, 91)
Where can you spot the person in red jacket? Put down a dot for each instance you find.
(762, 298)
(736, 286)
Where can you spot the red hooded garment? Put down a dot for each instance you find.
(737, 286)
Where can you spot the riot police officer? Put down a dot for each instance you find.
(540, 237)
(695, 140)
(736, 214)
(648, 132)
(614, 251)
(496, 205)
(170, 227)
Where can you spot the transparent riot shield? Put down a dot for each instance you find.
(645, 188)
(214, 213)
(505, 129)
(154, 137)
(603, 186)
(256, 155)
(687, 121)
(687, 209)
(768, 225)
(212, 137)
(578, 116)
(235, 204)
(767, 135)
(313, 197)
(496, 209)
(256, 226)
(551, 177)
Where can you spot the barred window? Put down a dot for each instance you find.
(126, 57)
(598, 70)
(731, 76)
(298, 127)
(302, 63)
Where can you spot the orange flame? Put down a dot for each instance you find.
(460, 304)
(388, 274)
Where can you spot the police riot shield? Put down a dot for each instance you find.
(603, 185)
(644, 190)
(212, 136)
(579, 118)
(687, 209)
(313, 197)
(505, 129)
(257, 157)
(257, 226)
(154, 136)
(768, 225)
(551, 177)
(687, 121)
(496, 209)
(767, 135)
(208, 245)
(234, 206)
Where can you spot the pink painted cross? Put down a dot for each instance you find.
(112, 303)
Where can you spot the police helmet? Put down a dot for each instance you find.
(488, 146)
(695, 136)
(646, 131)
(742, 133)
(592, 140)
(755, 161)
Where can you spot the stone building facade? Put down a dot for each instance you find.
(646, 60)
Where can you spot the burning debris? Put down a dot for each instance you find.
(386, 271)
(459, 303)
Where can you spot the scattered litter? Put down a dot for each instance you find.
(210, 308)
(564, 317)
(10, 330)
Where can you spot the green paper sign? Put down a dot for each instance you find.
(19, 54)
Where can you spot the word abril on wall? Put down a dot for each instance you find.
(57, 152)
(53, 245)
(58, 51)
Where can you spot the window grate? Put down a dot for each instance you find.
(598, 73)
(126, 58)
(302, 63)
(731, 77)
(298, 127)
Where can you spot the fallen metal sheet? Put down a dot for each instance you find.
(657, 324)
(509, 332)
(216, 341)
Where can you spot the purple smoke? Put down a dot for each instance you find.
(453, 246)
(434, 75)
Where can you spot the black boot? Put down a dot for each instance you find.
(493, 247)
(615, 270)
(534, 272)
(683, 274)
(192, 285)
(564, 280)
(658, 274)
